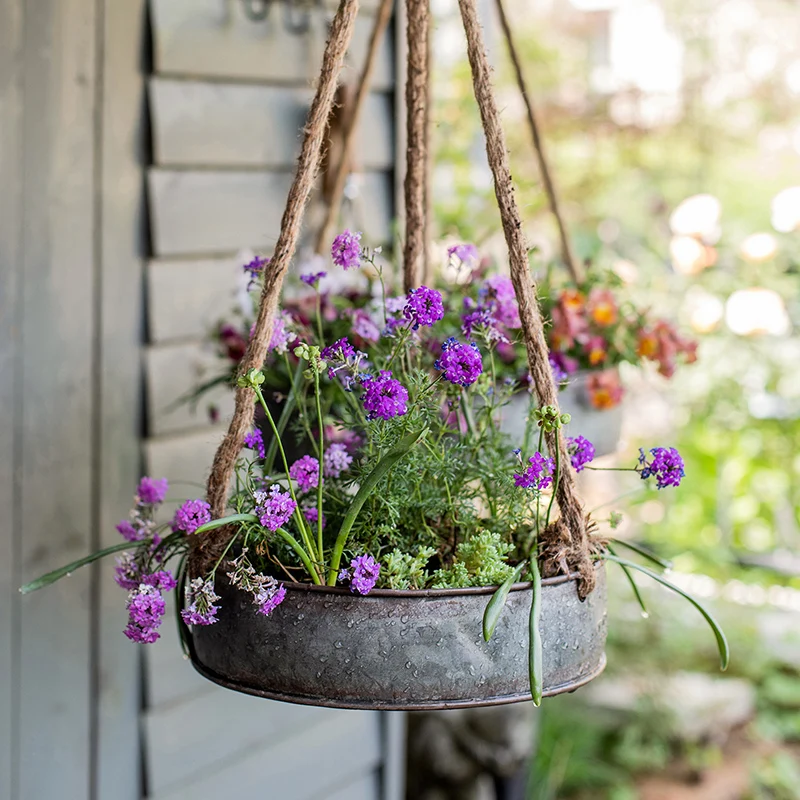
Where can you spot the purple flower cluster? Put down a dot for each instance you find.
(338, 352)
(362, 575)
(384, 397)
(666, 466)
(274, 508)
(201, 609)
(498, 294)
(466, 254)
(461, 363)
(191, 515)
(537, 475)
(305, 473)
(254, 268)
(140, 525)
(281, 337)
(480, 318)
(254, 440)
(152, 491)
(267, 593)
(346, 250)
(313, 278)
(364, 327)
(581, 452)
(559, 373)
(423, 306)
(336, 460)
(311, 513)
(146, 609)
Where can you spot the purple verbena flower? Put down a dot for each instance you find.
(311, 513)
(254, 268)
(201, 609)
(146, 609)
(460, 363)
(269, 599)
(385, 397)
(152, 491)
(274, 508)
(364, 327)
(481, 318)
(281, 337)
(559, 373)
(336, 460)
(346, 250)
(666, 466)
(466, 254)
(313, 278)
(191, 515)
(423, 307)
(498, 295)
(538, 475)
(127, 573)
(339, 351)
(305, 472)
(581, 452)
(131, 532)
(163, 580)
(365, 571)
(254, 440)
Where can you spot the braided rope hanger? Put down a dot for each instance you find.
(572, 519)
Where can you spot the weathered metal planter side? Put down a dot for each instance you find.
(602, 428)
(396, 650)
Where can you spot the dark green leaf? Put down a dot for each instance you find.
(535, 657)
(496, 605)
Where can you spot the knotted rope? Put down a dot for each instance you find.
(572, 515)
(538, 146)
(382, 18)
(416, 222)
(210, 545)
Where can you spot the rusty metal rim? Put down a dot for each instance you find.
(423, 593)
(366, 705)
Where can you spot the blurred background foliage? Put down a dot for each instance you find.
(673, 131)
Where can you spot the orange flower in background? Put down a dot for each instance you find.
(604, 389)
(602, 307)
(569, 319)
(596, 350)
(646, 344)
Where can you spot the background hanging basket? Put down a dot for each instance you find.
(401, 650)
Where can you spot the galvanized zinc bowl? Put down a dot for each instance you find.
(401, 650)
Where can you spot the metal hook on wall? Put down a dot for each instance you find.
(296, 13)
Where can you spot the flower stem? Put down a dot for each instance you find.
(555, 479)
(304, 532)
(297, 547)
(321, 459)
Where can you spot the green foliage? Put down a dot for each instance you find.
(405, 571)
(479, 561)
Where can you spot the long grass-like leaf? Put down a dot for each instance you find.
(535, 657)
(364, 491)
(218, 523)
(62, 572)
(495, 606)
(636, 593)
(722, 642)
(648, 554)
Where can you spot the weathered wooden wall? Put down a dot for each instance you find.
(71, 263)
(78, 717)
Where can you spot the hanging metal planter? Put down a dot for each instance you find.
(401, 650)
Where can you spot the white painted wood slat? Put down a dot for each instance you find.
(209, 212)
(312, 762)
(223, 124)
(184, 459)
(174, 370)
(214, 38)
(187, 298)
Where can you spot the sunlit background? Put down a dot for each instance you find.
(673, 131)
